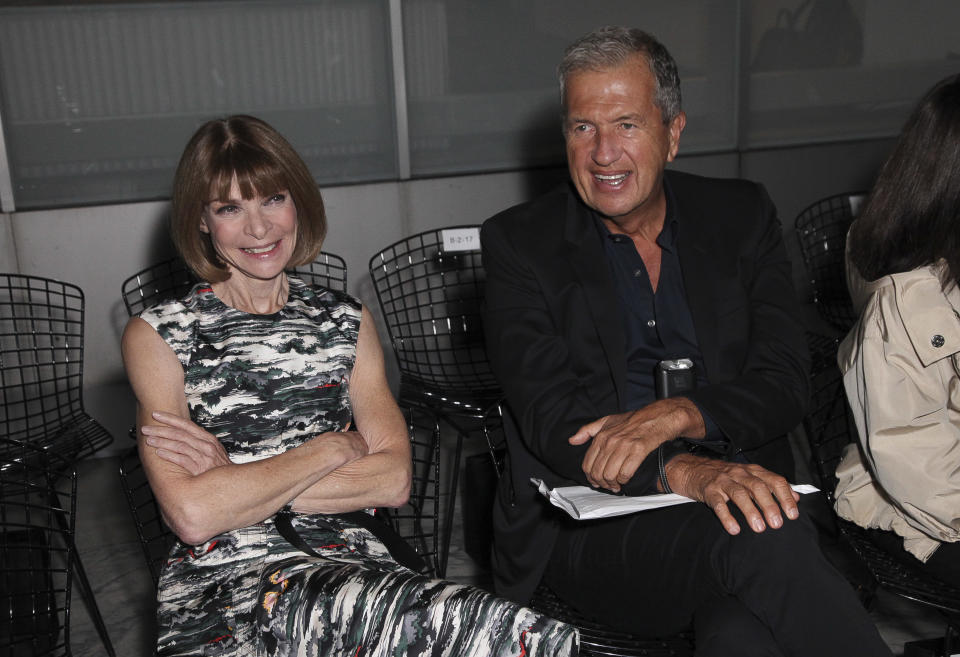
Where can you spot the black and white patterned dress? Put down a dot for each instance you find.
(264, 384)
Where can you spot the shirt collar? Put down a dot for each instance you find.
(667, 239)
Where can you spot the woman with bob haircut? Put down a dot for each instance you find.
(901, 361)
(267, 428)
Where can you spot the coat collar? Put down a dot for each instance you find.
(585, 254)
(697, 243)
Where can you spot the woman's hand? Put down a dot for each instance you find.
(351, 442)
(184, 443)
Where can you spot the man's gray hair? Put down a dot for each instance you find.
(611, 46)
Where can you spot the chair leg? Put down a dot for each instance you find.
(491, 447)
(425, 496)
(451, 506)
(86, 591)
(91, 601)
(951, 640)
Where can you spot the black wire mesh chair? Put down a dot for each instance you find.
(430, 287)
(822, 233)
(41, 384)
(171, 279)
(41, 367)
(830, 428)
(38, 492)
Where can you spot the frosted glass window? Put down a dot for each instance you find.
(99, 100)
(481, 83)
(828, 70)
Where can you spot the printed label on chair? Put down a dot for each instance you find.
(461, 239)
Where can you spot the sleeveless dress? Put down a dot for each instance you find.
(264, 384)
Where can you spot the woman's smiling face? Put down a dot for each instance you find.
(255, 237)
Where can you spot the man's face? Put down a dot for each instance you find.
(617, 143)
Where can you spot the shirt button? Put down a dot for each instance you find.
(937, 340)
(637, 273)
(651, 323)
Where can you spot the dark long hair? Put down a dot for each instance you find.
(912, 216)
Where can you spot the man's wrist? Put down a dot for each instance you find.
(689, 421)
(666, 452)
(684, 450)
(675, 468)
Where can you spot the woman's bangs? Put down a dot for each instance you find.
(254, 178)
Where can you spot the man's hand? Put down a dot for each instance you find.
(621, 442)
(757, 492)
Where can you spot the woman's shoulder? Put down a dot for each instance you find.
(183, 308)
(318, 296)
(908, 292)
(176, 319)
(913, 308)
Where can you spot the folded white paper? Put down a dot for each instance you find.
(584, 503)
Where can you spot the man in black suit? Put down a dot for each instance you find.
(588, 288)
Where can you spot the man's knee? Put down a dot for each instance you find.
(789, 551)
(724, 627)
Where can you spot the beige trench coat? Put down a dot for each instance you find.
(901, 375)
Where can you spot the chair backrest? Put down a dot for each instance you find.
(828, 424)
(822, 232)
(37, 520)
(430, 289)
(155, 537)
(41, 357)
(327, 270)
(171, 279)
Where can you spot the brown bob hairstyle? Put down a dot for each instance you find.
(264, 163)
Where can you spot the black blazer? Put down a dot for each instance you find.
(555, 339)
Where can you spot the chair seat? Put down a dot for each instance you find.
(598, 639)
(80, 437)
(898, 577)
(453, 399)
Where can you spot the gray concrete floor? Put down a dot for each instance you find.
(114, 563)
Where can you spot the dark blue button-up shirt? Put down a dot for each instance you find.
(658, 325)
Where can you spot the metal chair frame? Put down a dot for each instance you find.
(822, 234)
(429, 288)
(41, 384)
(38, 497)
(830, 428)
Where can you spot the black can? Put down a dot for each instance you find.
(675, 377)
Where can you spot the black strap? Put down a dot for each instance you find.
(399, 549)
